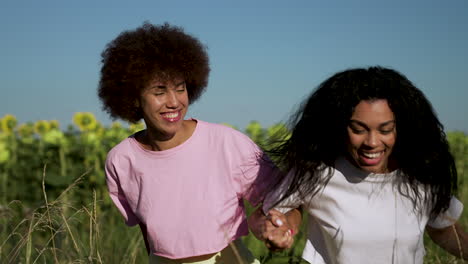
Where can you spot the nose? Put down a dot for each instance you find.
(172, 100)
(372, 139)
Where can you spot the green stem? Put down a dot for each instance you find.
(63, 162)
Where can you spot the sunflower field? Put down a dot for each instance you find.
(54, 206)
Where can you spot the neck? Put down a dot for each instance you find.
(156, 141)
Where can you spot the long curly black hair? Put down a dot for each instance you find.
(319, 135)
(136, 57)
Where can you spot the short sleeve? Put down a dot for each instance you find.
(448, 217)
(258, 175)
(117, 194)
(253, 171)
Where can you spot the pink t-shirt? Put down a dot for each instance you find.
(190, 196)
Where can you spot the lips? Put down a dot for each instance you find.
(171, 116)
(371, 158)
(373, 155)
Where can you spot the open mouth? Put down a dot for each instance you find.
(370, 158)
(374, 155)
(171, 116)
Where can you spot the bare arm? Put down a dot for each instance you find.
(453, 239)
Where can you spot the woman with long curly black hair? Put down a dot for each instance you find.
(370, 163)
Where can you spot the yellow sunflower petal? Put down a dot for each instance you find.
(8, 124)
(41, 127)
(85, 121)
(26, 130)
(54, 124)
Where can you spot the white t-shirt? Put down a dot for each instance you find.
(360, 217)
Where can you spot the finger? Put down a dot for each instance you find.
(268, 230)
(278, 220)
(274, 222)
(280, 237)
(287, 243)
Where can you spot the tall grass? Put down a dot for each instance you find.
(61, 231)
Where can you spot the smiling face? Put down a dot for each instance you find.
(371, 135)
(164, 105)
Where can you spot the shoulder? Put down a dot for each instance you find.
(233, 144)
(215, 127)
(120, 150)
(224, 132)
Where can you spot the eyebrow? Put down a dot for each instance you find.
(180, 83)
(364, 125)
(164, 86)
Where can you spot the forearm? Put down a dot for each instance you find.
(453, 239)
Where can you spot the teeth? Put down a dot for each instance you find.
(372, 155)
(171, 115)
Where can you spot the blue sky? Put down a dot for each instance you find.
(266, 56)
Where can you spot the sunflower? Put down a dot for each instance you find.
(26, 130)
(41, 127)
(85, 121)
(8, 124)
(54, 124)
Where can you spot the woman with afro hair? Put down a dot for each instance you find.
(182, 181)
(369, 162)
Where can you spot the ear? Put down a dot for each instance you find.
(137, 103)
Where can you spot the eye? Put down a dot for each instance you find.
(181, 88)
(357, 130)
(386, 131)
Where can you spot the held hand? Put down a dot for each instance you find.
(278, 232)
(273, 229)
(257, 224)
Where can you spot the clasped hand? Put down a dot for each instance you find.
(273, 229)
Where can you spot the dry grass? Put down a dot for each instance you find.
(56, 232)
(64, 231)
